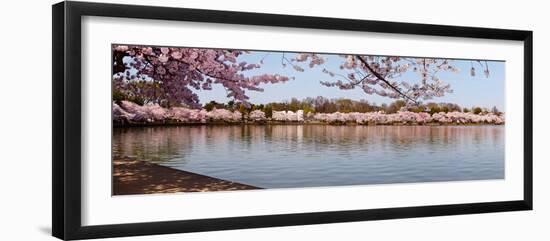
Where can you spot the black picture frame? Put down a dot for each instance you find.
(66, 127)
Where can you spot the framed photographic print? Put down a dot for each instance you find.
(170, 120)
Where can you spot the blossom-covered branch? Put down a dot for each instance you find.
(168, 76)
(383, 75)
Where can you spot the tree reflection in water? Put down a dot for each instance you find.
(319, 155)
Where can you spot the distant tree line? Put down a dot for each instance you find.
(343, 105)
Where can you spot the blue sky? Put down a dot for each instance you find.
(468, 91)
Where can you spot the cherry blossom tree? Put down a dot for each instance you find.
(383, 75)
(129, 112)
(224, 115)
(257, 116)
(168, 76)
(407, 117)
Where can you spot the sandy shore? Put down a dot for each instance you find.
(140, 177)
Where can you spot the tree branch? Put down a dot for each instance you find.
(383, 79)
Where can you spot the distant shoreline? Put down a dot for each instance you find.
(160, 124)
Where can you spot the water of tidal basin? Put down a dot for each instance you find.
(280, 156)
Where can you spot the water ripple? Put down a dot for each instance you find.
(319, 155)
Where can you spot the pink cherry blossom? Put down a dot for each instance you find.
(149, 113)
(382, 75)
(257, 115)
(172, 74)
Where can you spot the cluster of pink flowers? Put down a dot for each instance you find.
(130, 112)
(461, 117)
(257, 115)
(410, 117)
(177, 73)
(181, 114)
(224, 115)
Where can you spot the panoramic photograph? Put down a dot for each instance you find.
(191, 119)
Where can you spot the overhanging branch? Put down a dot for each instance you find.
(383, 79)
